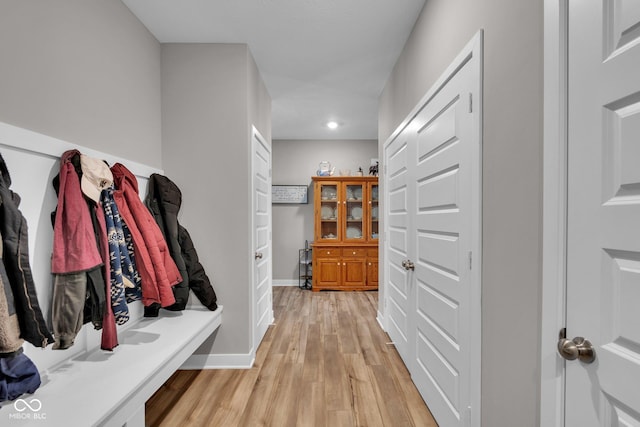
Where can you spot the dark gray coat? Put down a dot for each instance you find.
(164, 199)
(15, 256)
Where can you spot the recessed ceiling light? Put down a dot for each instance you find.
(332, 125)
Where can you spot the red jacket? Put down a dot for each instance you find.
(157, 269)
(74, 242)
(109, 332)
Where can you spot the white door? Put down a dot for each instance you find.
(432, 242)
(398, 303)
(444, 244)
(262, 292)
(603, 241)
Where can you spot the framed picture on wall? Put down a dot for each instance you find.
(289, 194)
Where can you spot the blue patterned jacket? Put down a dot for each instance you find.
(125, 280)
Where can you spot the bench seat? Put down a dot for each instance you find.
(101, 388)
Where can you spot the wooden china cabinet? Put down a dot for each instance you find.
(345, 248)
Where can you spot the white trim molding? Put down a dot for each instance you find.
(554, 212)
(219, 361)
(381, 321)
(44, 145)
(285, 282)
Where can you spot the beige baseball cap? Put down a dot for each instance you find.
(96, 176)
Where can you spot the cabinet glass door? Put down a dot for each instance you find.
(374, 214)
(329, 211)
(354, 213)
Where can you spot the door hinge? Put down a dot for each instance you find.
(470, 102)
(470, 260)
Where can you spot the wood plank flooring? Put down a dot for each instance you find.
(324, 362)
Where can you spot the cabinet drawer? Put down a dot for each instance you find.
(354, 252)
(327, 252)
(372, 252)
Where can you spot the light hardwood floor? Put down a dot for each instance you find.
(324, 362)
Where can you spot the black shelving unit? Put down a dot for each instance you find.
(305, 273)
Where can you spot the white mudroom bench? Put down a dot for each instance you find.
(84, 385)
(103, 388)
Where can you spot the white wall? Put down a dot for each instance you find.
(84, 71)
(211, 93)
(512, 179)
(294, 162)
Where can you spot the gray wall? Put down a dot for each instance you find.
(294, 162)
(87, 72)
(512, 178)
(259, 100)
(207, 113)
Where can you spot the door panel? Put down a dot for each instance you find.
(443, 376)
(354, 270)
(328, 272)
(622, 30)
(443, 219)
(397, 210)
(263, 308)
(372, 272)
(603, 240)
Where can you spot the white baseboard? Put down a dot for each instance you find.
(219, 361)
(284, 282)
(380, 319)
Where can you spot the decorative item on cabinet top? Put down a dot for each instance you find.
(373, 169)
(325, 169)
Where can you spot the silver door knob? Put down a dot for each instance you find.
(577, 348)
(408, 265)
(258, 255)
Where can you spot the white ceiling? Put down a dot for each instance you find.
(320, 59)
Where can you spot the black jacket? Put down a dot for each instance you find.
(13, 227)
(164, 200)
